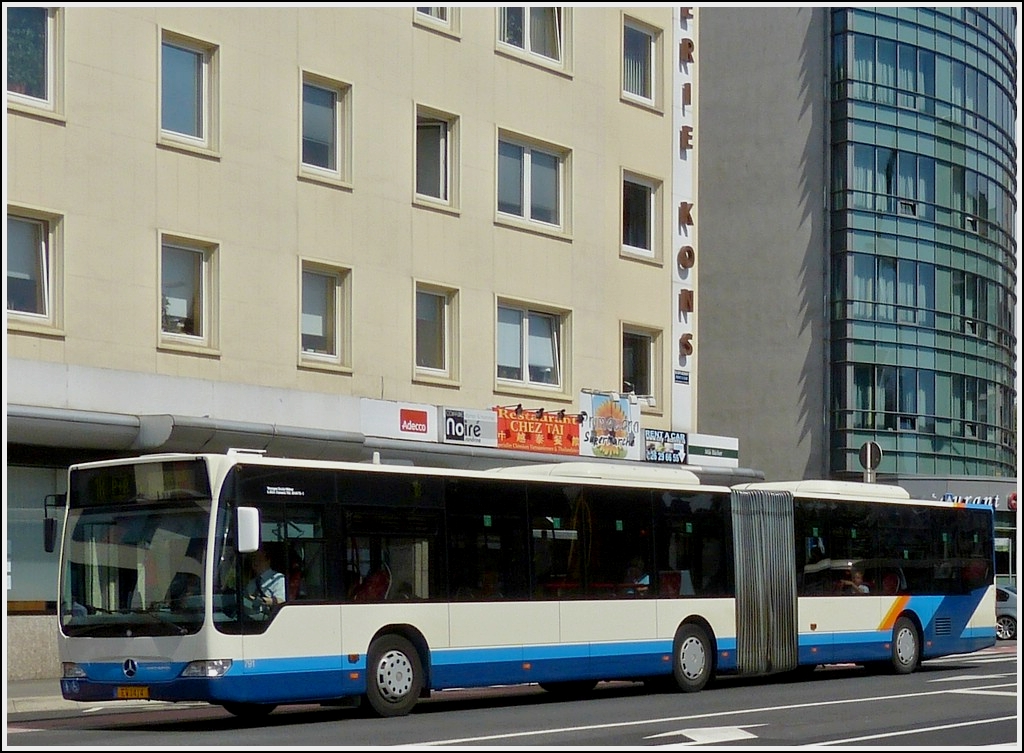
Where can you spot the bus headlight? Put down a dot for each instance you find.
(207, 668)
(70, 669)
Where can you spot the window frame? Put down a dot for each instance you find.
(653, 340)
(341, 357)
(52, 105)
(341, 174)
(563, 15)
(207, 142)
(450, 172)
(562, 192)
(49, 262)
(560, 357)
(206, 339)
(448, 373)
(655, 47)
(655, 191)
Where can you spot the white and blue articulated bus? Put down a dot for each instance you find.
(396, 581)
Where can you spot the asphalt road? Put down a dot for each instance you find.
(955, 702)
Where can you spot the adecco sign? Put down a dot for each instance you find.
(383, 418)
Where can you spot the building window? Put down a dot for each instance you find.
(324, 314)
(639, 53)
(186, 284)
(530, 181)
(436, 156)
(436, 314)
(537, 32)
(325, 128)
(529, 346)
(33, 59)
(875, 397)
(33, 271)
(639, 362)
(438, 14)
(639, 215)
(319, 127)
(444, 19)
(188, 92)
(27, 275)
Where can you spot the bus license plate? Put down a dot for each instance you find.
(133, 691)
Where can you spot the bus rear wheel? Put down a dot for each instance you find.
(906, 647)
(394, 676)
(692, 659)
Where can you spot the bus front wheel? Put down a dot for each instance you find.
(906, 647)
(394, 676)
(692, 660)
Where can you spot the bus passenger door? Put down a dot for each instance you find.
(766, 596)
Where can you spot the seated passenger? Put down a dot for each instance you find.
(855, 584)
(637, 578)
(375, 586)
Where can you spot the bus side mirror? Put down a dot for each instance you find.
(248, 529)
(50, 524)
(49, 534)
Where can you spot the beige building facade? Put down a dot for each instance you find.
(233, 227)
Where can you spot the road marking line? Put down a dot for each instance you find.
(911, 731)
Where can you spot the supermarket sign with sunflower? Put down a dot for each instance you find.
(611, 427)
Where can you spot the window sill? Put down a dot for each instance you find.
(16, 325)
(515, 223)
(41, 111)
(188, 348)
(538, 61)
(323, 177)
(308, 363)
(640, 255)
(435, 380)
(436, 205)
(644, 104)
(187, 148)
(518, 390)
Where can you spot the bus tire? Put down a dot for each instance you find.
(906, 647)
(394, 676)
(692, 658)
(250, 711)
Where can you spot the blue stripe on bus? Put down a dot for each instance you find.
(269, 680)
(452, 668)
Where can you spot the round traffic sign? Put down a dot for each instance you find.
(870, 455)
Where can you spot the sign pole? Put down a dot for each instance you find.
(870, 456)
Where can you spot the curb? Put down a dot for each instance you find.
(35, 704)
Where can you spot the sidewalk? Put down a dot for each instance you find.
(34, 696)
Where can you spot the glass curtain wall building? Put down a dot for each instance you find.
(922, 240)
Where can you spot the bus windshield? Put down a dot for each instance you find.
(134, 570)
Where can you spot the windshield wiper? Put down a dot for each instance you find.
(150, 612)
(153, 612)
